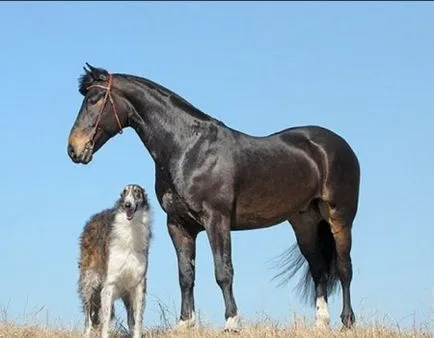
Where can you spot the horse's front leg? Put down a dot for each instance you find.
(184, 241)
(218, 231)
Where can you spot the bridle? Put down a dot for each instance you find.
(108, 95)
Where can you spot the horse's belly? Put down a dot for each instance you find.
(263, 215)
(268, 206)
(249, 222)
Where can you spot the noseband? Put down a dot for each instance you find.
(108, 95)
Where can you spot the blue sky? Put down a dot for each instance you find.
(364, 70)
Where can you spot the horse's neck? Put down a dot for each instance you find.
(165, 129)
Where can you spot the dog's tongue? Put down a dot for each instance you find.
(130, 213)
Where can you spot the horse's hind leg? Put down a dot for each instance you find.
(340, 225)
(345, 270)
(306, 226)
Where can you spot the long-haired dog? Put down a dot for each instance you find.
(114, 247)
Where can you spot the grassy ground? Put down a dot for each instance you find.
(11, 330)
(261, 326)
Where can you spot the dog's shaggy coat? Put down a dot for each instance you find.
(114, 247)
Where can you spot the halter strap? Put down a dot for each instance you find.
(109, 96)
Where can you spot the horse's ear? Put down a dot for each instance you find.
(97, 74)
(88, 72)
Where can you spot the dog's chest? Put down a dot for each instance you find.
(127, 255)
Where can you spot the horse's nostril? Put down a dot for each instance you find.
(71, 151)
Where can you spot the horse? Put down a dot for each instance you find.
(213, 178)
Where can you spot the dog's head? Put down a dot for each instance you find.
(133, 198)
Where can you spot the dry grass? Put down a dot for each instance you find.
(263, 326)
(10, 330)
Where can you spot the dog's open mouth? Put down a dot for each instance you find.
(130, 212)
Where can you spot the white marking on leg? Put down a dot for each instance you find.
(138, 308)
(233, 323)
(106, 307)
(322, 313)
(186, 324)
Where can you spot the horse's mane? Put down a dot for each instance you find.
(175, 98)
(86, 80)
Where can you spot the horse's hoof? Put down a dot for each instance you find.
(186, 324)
(232, 324)
(348, 319)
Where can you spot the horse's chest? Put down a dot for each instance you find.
(171, 201)
(173, 204)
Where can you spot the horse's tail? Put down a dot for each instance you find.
(292, 260)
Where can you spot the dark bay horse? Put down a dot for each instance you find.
(214, 178)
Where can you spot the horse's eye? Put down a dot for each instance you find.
(93, 99)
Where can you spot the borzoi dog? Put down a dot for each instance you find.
(114, 248)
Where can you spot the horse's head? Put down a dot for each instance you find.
(103, 113)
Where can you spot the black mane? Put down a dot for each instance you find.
(91, 74)
(84, 81)
(88, 78)
(175, 98)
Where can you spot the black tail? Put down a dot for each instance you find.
(292, 260)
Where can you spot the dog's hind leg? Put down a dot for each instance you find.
(87, 320)
(89, 293)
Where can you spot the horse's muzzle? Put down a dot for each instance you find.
(72, 155)
(84, 157)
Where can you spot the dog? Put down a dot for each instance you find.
(113, 263)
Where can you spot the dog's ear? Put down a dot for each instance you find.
(122, 194)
